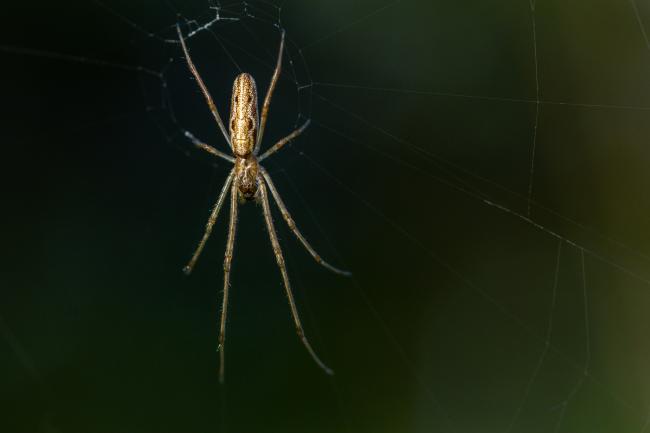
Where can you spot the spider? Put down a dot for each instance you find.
(248, 181)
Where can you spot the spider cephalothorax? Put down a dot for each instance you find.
(249, 180)
(246, 176)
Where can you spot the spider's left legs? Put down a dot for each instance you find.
(201, 145)
(210, 224)
(269, 94)
(285, 277)
(277, 146)
(230, 246)
(203, 87)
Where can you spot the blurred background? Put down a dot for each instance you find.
(480, 167)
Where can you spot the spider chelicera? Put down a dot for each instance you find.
(248, 181)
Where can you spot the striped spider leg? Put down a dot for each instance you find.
(249, 181)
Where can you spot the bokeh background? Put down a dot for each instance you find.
(471, 308)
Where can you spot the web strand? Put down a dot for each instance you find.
(349, 25)
(533, 150)
(480, 97)
(587, 362)
(637, 15)
(547, 343)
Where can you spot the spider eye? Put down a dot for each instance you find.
(250, 123)
(232, 124)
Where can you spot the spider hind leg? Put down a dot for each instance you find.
(285, 278)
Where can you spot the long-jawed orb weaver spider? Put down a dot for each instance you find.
(248, 181)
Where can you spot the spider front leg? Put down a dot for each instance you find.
(277, 146)
(285, 277)
(204, 88)
(292, 225)
(269, 94)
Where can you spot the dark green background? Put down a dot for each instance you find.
(445, 321)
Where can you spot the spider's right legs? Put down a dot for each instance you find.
(230, 246)
(277, 146)
(292, 225)
(285, 277)
(269, 94)
(208, 227)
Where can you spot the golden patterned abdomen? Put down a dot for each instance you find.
(243, 115)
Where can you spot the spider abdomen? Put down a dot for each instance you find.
(243, 115)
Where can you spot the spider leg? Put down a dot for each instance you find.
(230, 246)
(204, 89)
(269, 94)
(201, 145)
(292, 225)
(277, 146)
(285, 277)
(208, 227)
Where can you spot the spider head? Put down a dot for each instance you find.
(243, 115)
(246, 176)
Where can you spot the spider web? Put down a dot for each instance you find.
(480, 169)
